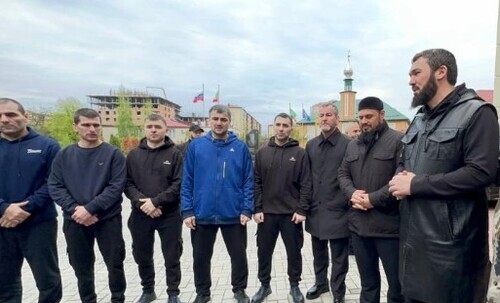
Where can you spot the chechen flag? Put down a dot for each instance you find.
(198, 98)
(216, 98)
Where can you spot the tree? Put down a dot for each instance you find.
(147, 109)
(114, 140)
(59, 124)
(124, 122)
(38, 121)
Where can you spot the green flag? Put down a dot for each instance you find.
(293, 113)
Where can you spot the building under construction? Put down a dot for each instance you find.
(107, 105)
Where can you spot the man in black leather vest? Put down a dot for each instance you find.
(449, 157)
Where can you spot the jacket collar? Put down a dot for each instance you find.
(332, 139)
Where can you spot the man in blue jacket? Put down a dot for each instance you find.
(217, 192)
(28, 224)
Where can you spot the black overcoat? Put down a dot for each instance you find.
(327, 216)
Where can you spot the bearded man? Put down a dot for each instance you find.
(449, 158)
(369, 164)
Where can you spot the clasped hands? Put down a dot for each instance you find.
(149, 208)
(360, 200)
(14, 215)
(83, 217)
(400, 185)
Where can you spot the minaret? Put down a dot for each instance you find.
(348, 96)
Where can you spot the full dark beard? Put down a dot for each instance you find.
(426, 94)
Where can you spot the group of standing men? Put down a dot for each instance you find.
(414, 201)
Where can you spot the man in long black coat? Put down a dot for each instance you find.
(327, 216)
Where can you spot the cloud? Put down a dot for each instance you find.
(264, 54)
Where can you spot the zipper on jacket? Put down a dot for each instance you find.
(224, 170)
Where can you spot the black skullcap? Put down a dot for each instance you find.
(195, 128)
(370, 103)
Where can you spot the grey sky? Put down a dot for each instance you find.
(264, 54)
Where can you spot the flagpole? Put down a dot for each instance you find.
(218, 93)
(203, 101)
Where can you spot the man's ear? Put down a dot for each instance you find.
(441, 72)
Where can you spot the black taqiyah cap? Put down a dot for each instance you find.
(196, 128)
(371, 103)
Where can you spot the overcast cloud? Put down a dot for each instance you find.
(264, 54)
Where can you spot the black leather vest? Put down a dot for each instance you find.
(435, 145)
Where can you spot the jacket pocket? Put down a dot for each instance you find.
(384, 166)
(352, 158)
(383, 156)
(458, 211)
(440, 145)
(409, 141)
(444, 218)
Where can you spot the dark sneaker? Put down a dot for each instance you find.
(261, 294)
(174, 299)
(147, 297)
(201, 299)
(241, 296)
(316, 291)
(296, 294)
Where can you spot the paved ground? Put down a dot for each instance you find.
(221, 289)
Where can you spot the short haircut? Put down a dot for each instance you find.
(284, 116)
(20, 107)
(437, 57)
(220, 109)
(330, 103)
(156, 117)
(350, 125)
(87, 113)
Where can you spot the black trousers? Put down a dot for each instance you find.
(367, 251)
(293, 238)
(339, 250)
(169, 228)
(36, 244)
(203, 239)
(80, 242)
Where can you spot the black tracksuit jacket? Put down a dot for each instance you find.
(283, 183)
(155, 173)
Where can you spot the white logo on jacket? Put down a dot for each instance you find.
(167, 162)
(231, 150)
(292, 159)
(34, 151)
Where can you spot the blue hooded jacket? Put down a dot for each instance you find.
(217, 182)
(25, 166)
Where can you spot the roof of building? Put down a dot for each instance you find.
(391, 114)
(177, 124)
(486, 94)
(112, 100)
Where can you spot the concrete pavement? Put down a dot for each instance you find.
(221, 272)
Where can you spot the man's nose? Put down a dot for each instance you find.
(411, 81)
